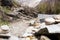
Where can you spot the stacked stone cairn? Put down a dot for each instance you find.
(5, 33)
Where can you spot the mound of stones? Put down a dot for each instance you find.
(5, 33)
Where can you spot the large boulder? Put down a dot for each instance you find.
(49, 20)
(42, 31)
(57, 18)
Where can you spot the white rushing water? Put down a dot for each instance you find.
(30, 3)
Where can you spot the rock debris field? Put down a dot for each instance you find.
(24, 30)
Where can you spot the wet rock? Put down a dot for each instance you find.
(44, 38)
(49, 20)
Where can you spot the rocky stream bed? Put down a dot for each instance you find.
(18, 28)
(44, 27)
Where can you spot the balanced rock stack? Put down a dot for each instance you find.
(4, 29)
(5, 33)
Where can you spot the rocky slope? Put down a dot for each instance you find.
(13, 11)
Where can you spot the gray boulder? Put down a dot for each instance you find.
(49, 20)
(57, 17)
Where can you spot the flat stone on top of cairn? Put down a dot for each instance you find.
(5, 27)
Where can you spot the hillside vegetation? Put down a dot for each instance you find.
(5, 8)
(11, 10)
(49, 6)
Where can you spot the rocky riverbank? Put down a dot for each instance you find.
(25, 29)
(20, 28)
